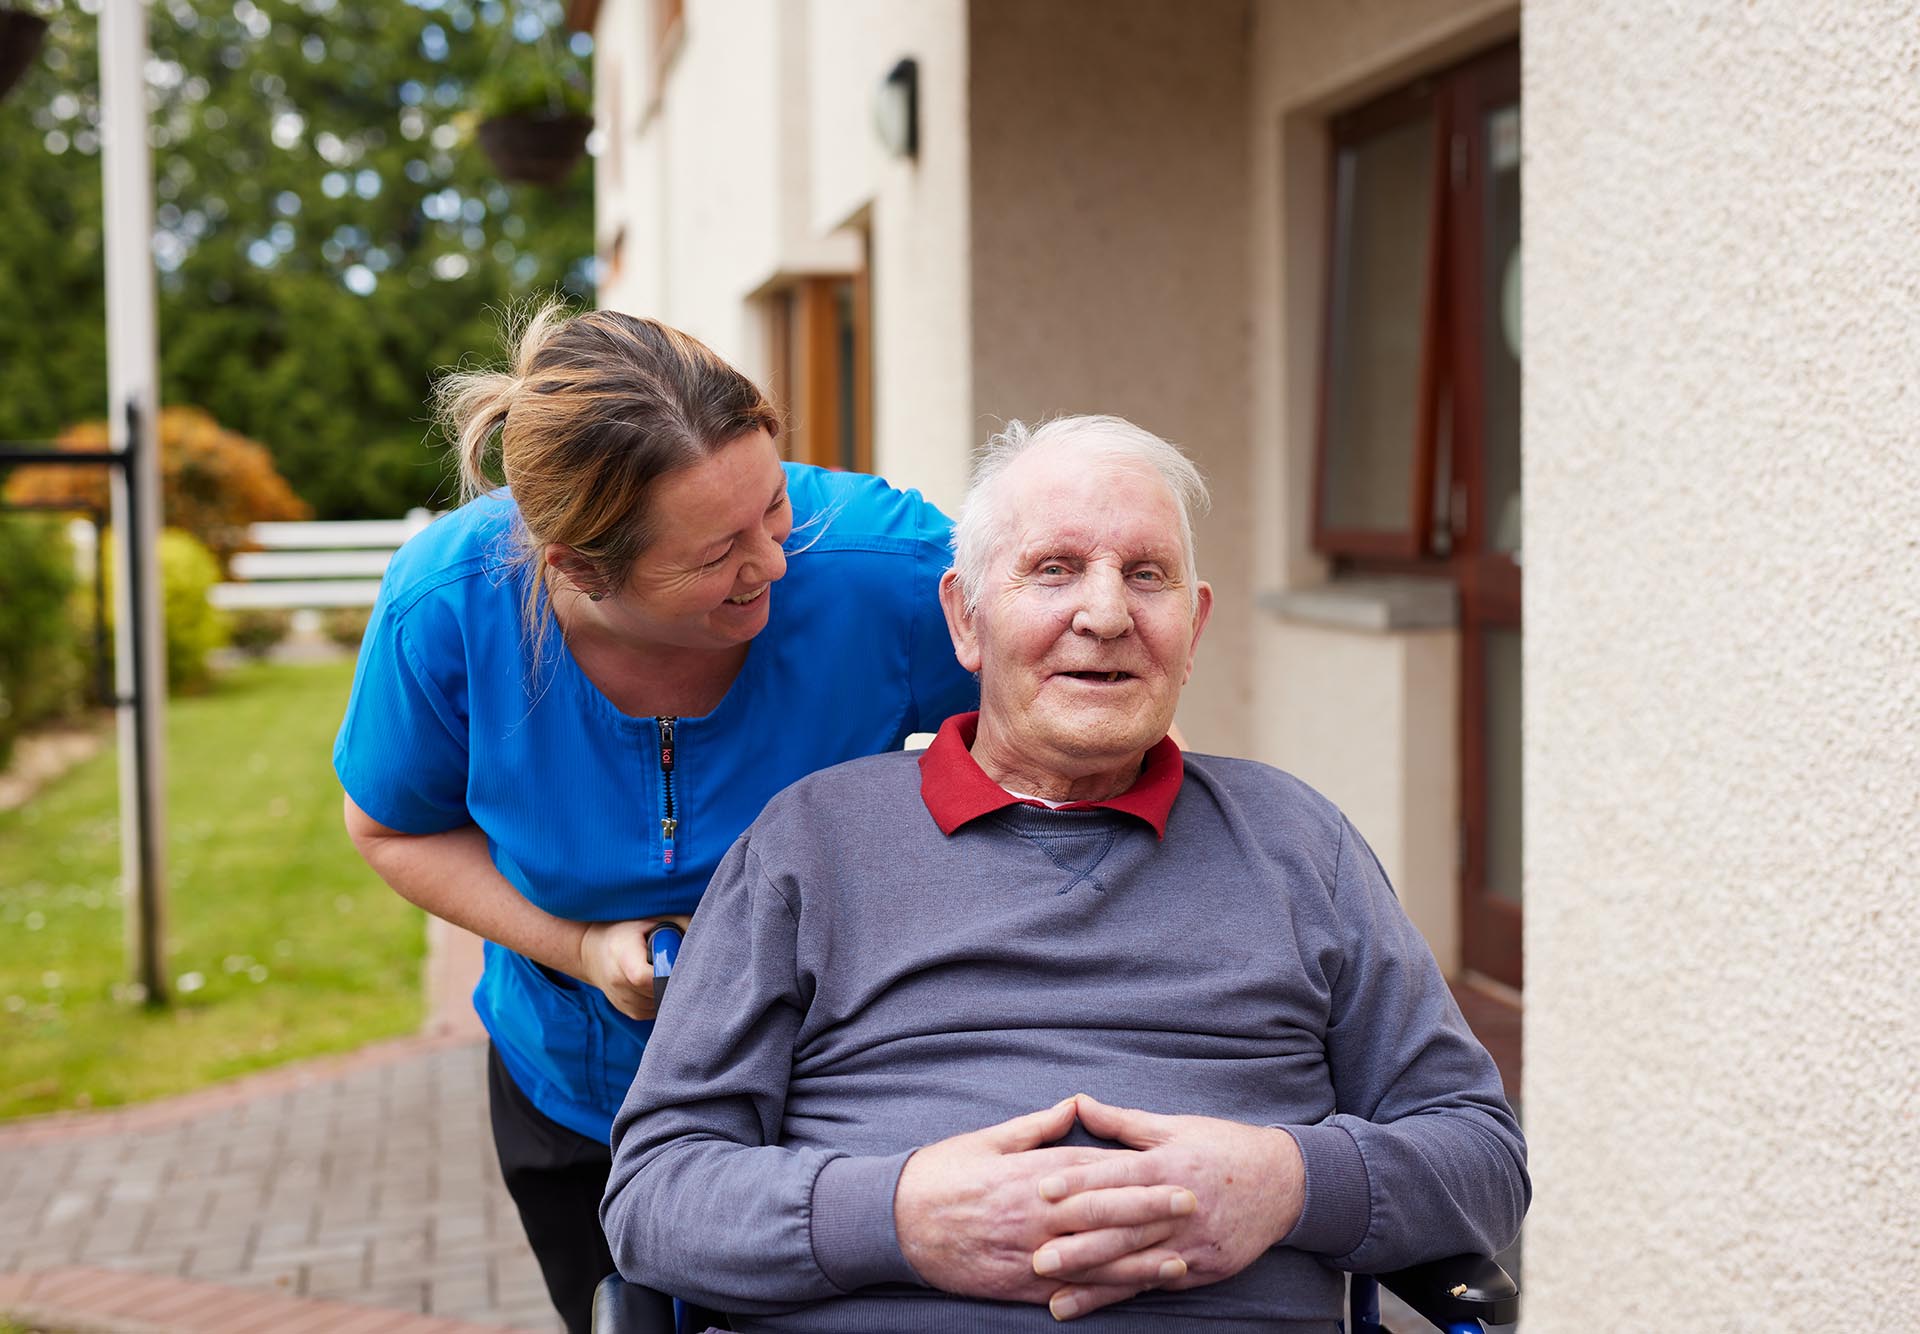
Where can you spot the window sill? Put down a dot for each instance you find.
(1374, 604)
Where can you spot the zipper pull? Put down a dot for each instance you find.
(668, 824)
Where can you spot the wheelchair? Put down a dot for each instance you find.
(1462, 1294)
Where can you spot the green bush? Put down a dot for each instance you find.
(41, 666)
(255, 630)
(347, 626)
(194, 627)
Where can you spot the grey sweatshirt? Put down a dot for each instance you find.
(856, 984)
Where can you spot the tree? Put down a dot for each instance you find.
(213, 482)
(326, 232)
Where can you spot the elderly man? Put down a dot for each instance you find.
(1251, 1075)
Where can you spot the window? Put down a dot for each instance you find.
(1421, 389)
(1418, 466)
(822, 380)
(1379, 418)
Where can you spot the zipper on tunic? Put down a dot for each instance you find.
(668, 824)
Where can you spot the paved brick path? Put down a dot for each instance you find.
(370, 1180)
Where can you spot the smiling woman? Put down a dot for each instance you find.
(579, 688)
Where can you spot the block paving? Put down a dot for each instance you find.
(305, 1195)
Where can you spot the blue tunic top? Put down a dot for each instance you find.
(446, 727)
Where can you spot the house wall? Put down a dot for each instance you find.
(1109, 214)
(748, 158)
(1722, 701)
(1369, 718)
(917, 213)
(1383, 775)
(701, 203)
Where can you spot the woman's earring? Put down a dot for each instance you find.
(595, 597)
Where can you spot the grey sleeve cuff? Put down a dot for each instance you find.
(1333, 1220)
(854, 1241)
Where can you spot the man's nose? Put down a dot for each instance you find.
(1103, 612)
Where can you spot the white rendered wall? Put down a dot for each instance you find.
(717, 131)
(756, 162)
(692, 173)
(616, 94)
(1109, 259)
(1723, 664)
(924, 428)
(1370, 719)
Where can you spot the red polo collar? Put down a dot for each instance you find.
(957, 790)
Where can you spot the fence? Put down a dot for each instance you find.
(316, 565)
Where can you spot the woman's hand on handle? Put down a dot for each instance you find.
(614, 957)
(452, 876)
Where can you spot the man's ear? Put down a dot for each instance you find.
(966, 645)
(1202, 608)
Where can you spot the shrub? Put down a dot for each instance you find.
(255, 630)
(347, 626)
(213, 482)
(194, 627)
(41, 664)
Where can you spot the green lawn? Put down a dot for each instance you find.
(281, 943)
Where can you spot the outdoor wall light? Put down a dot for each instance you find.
(896, 109)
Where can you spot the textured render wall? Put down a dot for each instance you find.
(617, 92)
(709, 180)
(917, 214)
(716, 131)
(1392, 770)
(752, 163)
(1109, 257)
(1369, 719)
(1723, 664)
(805, 245)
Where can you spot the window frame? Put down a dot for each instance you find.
(1447, 535)
(1489, 579)
(1450, 413)
(812, 381)
(1346, 131)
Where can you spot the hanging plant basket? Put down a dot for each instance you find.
(536, 148)
(20, 37)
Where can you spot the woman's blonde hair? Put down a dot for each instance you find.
(592, 410)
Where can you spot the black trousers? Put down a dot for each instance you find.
(556, 1178)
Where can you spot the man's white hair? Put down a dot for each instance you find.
(987, 514)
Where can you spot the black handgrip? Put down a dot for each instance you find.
(620, 1307)
(1460, 1287)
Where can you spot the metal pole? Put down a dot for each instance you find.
(102, 685)
(133, 397)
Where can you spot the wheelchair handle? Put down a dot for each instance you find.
(663, 948)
